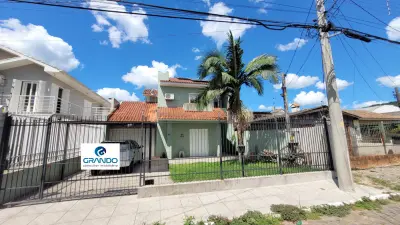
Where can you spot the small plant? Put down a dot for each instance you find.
(158, 223)
(369, 204)
(255, 218)
(188, 221)
(313, 216)
(219, 220)
(330, 210)
(395, 198)
(396, 187)
(289, 212)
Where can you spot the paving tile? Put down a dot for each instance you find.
(9, 212)
(199, 213)
(209, 198)
(126, 209)
(217, 209)
(61, 206)
(229, 199)
(192, 201)
(245, 195)
(35, 209)
(47, 218)
(101, 212)
(175, 220)
(236, 205)
(20, 220)
(85, 204)
(255, 203)
(149, 206)
(130, 199)
(109, 201)
(102, 221)
(122, 220)
(74, 215)
(147, 217)
(169, 213)
(70, 223)
(170, 204)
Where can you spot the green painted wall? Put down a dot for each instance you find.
(173, 137)
(181, 96)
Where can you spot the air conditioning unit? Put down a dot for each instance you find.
(169, 96)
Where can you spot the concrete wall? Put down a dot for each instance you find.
(26, 181)
(174, 137)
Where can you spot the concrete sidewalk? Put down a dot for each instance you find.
(129, 210)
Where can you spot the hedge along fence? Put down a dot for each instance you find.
(365, 162)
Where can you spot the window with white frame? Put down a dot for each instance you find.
(193, 97)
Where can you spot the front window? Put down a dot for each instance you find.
(28, 92)
(193, 97)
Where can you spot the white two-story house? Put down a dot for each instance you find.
(31, 87)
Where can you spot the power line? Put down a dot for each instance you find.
(308, 55)
(358, 70)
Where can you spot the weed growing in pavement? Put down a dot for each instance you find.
(395, 198)
(289, 212)
(384, 183)
(369, 204)
(330, 210)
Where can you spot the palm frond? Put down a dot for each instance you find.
(212, 63)
(265, 61)
(256, 83)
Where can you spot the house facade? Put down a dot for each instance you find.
(31, 87)
(184, 129)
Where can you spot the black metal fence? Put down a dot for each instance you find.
(41, 159)
(270, 148)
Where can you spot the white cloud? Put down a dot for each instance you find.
(198, 57)
(310, 98)
(120, 27)
(357, 105)
(35, 41)
(207, 2)
(119, 94)
(294, 81)
(195, 50)
(393, 29)
(147, 76)
(389, 81)
(296, 43)
(103, 42)
(341, 84)
(217, 30)
(262, 11)
(268, 108)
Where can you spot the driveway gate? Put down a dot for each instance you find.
(40, 159)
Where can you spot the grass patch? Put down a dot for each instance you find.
(384, 183)
(330, 210)
(368, 204)
(313, 216)
(395, 198)
(249, 218)
(231, 169)
(289, 212)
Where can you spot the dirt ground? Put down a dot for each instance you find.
(387, 178)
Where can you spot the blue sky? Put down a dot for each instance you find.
(118, 55)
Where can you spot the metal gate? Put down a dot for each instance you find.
(40, 159)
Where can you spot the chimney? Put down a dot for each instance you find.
(295, 107)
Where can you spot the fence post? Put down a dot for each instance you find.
(45, 156)
(65, 151)
(5, 137)
(328, 143)
(383, 135)
(279, 147)
(219, 147)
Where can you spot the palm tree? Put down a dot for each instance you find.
(227, 74)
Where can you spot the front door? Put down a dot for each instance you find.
(198, 142)
(28, 95)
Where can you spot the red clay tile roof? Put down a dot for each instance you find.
(150, 92)
(132, 112)
(185, 81)
(180, 114)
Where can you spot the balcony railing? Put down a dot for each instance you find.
(50, 105)
(195, 107)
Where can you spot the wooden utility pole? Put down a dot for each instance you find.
(339, 149)
(397, 95)
(285, 103)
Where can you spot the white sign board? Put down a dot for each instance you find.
(98, 156)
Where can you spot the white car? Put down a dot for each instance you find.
(130, 154)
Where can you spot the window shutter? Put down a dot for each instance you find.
(15, 95)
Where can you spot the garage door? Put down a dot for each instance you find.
(198, 142)
(141, 136)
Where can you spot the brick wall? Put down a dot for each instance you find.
(364, 162)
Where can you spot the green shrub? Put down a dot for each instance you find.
(289, 212)
(330, 210)
(313, 216)
(396, 187)
(219, 220)
(158, 223)
(255, 218)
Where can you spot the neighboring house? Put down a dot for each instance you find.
(183, 129)
(382, 109)
(29, 86)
